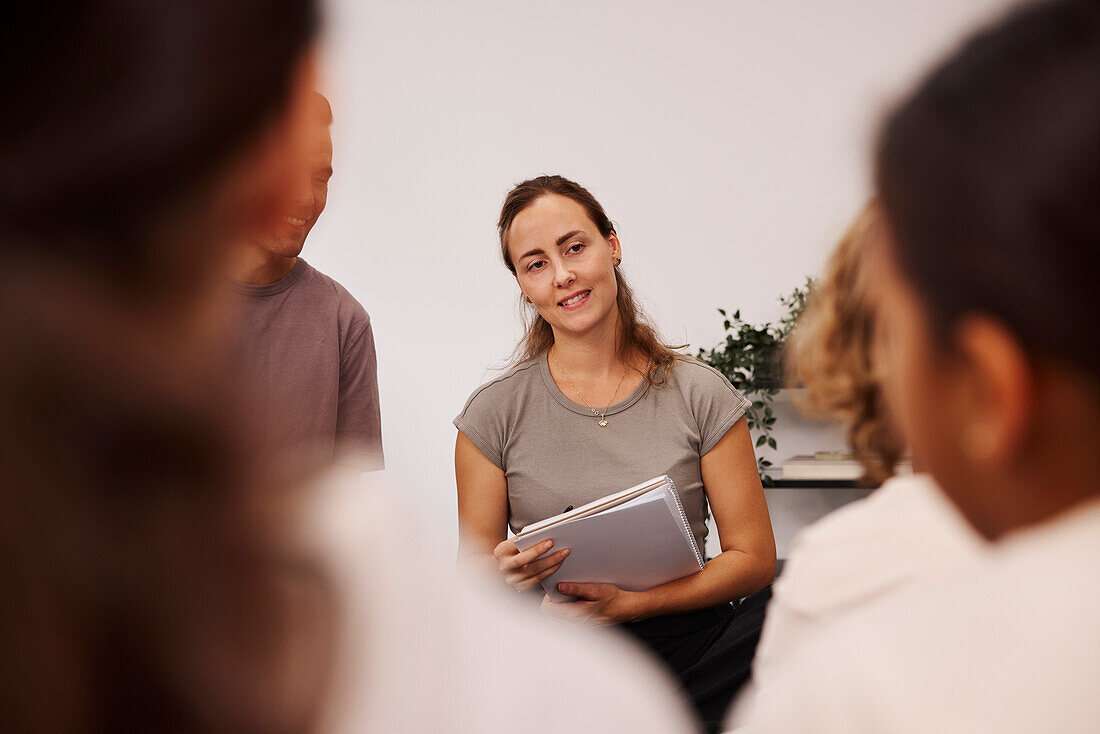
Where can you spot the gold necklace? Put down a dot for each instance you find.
(602, 415)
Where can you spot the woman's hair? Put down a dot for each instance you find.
(149, 583)
(830, 351)
(989, 176)
(637, 335)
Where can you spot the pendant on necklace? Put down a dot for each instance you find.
(603, 422)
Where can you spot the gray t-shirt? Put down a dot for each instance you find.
(554, 453)
(310, 345)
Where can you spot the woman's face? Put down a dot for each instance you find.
(564, 266)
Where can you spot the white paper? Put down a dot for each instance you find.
(635, 545)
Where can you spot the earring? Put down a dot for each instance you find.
(978, 441)
(617, 260)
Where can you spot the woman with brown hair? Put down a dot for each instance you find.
(594, 404)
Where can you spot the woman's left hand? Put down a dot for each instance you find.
(596, 603)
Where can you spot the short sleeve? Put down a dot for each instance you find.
(482, 421)
(715, 403)
(359, 416)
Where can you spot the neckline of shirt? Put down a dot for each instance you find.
(1080, 521)
(565, 402)
(296, 273)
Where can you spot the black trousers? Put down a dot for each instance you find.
(708, 651)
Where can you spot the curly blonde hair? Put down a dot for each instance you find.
(830, 352)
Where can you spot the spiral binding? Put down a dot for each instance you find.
(685, 526)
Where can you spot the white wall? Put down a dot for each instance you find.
(728, 140)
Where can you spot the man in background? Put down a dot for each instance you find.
(308, 340)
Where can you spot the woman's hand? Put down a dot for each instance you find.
(597, 603)
(521, 570)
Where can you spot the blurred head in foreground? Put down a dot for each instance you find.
(831, 351)
(140, 562)
(989, 178)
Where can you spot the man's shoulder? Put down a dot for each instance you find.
(324, 285)
(328, 293)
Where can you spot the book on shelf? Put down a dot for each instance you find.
(636, 539)
(830, 466)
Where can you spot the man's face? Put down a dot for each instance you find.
(288, 237)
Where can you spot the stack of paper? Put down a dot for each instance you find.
(636, 539)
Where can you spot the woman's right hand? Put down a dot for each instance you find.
(523, 570)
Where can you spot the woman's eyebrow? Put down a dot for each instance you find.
(567, 235)
(561, 241)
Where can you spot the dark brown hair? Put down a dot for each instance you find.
(831, 351)
(119, 113)
(149, 580)
(637, 335)
(989, 175)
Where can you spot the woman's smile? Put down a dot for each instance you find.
(575, 300)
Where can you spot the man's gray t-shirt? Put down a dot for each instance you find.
(311, 349)
(554, 453)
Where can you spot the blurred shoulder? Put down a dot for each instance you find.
(411, 632)
(1020, 667)
(904, 530)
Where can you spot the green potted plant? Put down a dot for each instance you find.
(751, 359)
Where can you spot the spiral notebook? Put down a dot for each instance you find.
(636, 539)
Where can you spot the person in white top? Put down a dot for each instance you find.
(993, 213)
(907, 530)
(1012, 647)
(421, 651)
